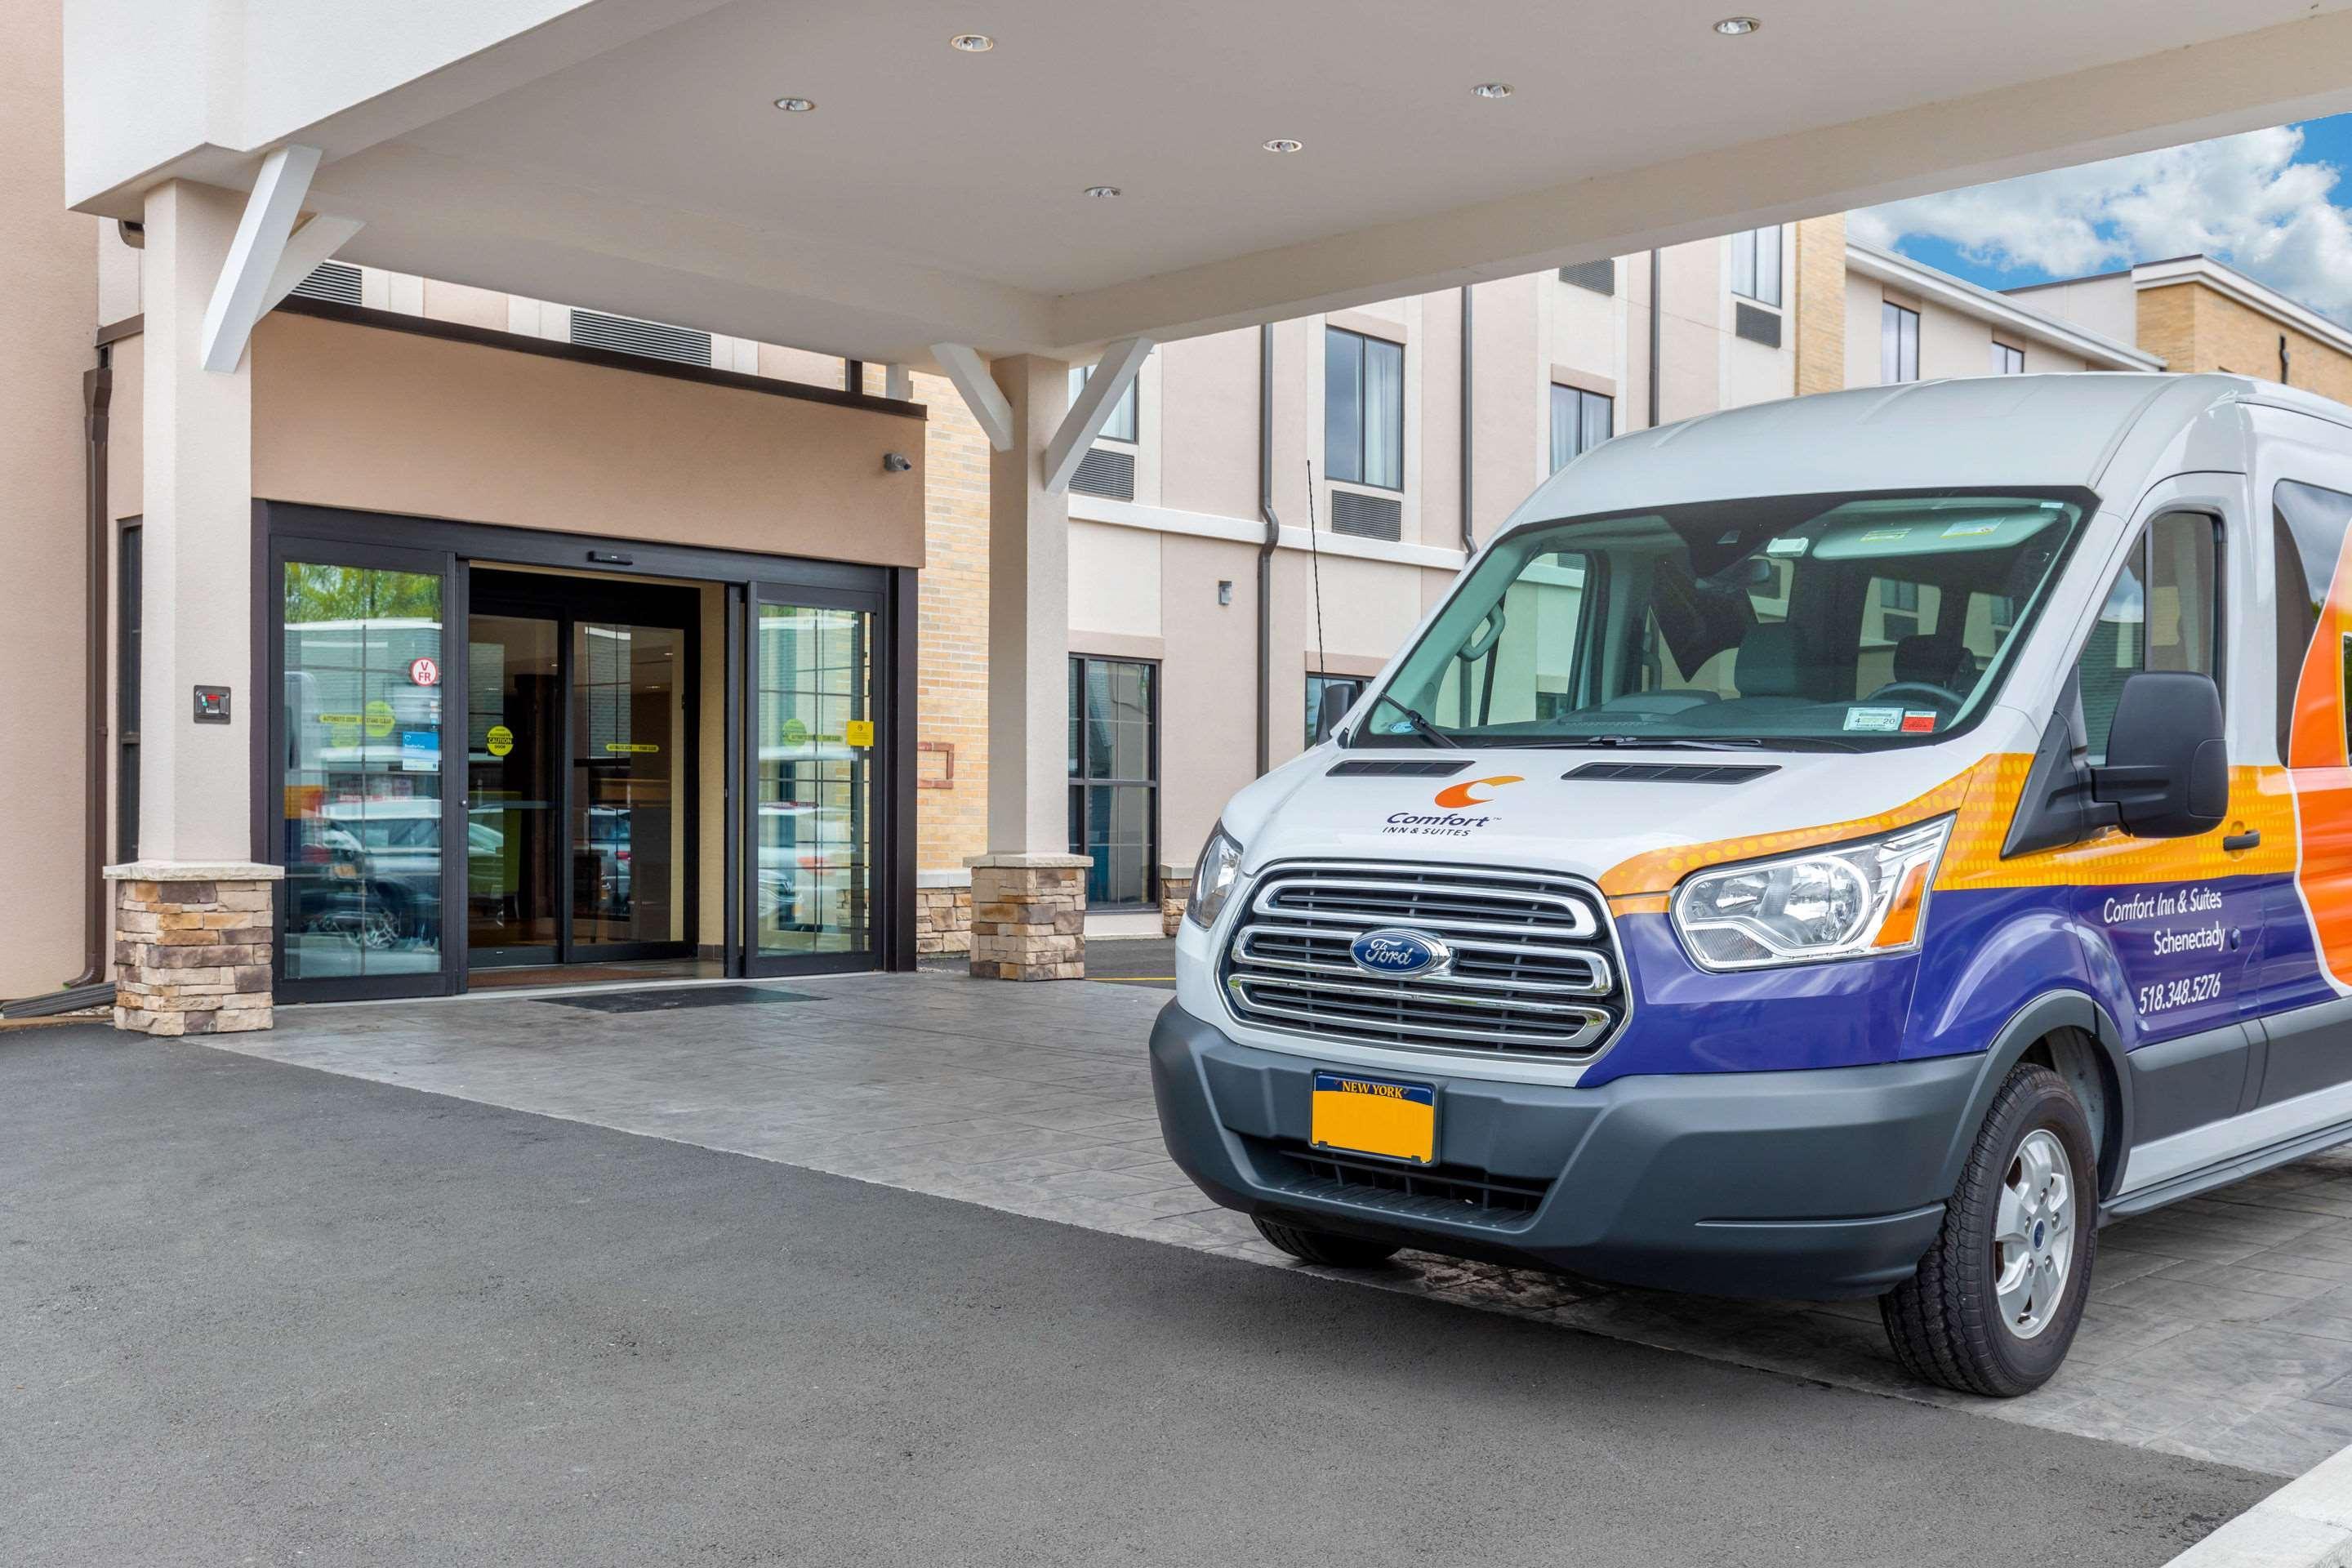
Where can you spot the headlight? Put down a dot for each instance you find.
(1847, 902)
(1213, 876)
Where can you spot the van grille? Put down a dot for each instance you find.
(1533, 969)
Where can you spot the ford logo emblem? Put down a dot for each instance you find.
(1397, 953)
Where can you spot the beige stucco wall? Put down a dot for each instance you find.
(49, 257)
(387, 421)
(2104, 304)
(1204, 424)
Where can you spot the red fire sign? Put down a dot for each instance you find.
(424, 672)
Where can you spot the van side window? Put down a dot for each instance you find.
(2161, 614)
(2307, 540)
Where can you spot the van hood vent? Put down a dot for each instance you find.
(1673, 772)
(1394, 768)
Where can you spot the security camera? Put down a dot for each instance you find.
(897, 462)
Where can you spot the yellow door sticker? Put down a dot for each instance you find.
(500, 741)
(380, 718)
(631, 746)
(861, 732)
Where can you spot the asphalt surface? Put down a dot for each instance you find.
(260, 1314)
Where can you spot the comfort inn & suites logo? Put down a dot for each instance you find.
(1453, 822)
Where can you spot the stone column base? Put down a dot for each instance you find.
(192, 944)
(1029, 916)
(1175, 892)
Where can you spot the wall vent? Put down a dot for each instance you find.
(1106, 471)
(1599, 277)
(1758, 326)
(335, 280)
(1367, 517)
(628, 335)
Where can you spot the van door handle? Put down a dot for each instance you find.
(2236, 842)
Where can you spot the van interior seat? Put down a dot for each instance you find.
(1765, 670)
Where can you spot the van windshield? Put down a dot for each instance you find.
(1829, 622)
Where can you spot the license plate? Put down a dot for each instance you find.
(1375, 1116)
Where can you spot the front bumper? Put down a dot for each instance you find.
(1815, 1184)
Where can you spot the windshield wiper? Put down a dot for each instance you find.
(1697, 744)
(1420, 726)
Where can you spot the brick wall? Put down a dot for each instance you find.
(951, 802)
(2197, 329)
(1820, 304)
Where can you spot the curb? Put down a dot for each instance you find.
(2306, 1523)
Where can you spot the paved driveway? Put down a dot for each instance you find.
(2222, 1329)
(260, 1314)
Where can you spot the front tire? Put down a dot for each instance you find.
(1325, 1246)
(1996, 1301)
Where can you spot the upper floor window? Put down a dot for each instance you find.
(1898, 343)
(1580, 420)
(1756, 264)
(2007, 361)
(1363, 409)
(1120, 425)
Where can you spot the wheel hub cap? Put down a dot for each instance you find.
(2033, 1234)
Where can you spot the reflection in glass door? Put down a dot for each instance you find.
(812, 754)
(514, 740)
(359, 733)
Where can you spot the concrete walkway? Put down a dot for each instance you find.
(2221, 1329)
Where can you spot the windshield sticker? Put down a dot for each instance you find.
(1788, 547)
(1877, 720)
(1971, 530)
(1886, 536)
(1917, 721)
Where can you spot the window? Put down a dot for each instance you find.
(1596, 277)
(1328, 697)
(128, 615)
(1761, 619)
(2308, 528)
(1363, 409)
(1120, 425)
(1756, 264)
(1114, 777)
(2007, 361)
(1580, 420)
(1898, 343)
(2161, 614)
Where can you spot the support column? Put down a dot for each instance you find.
(1028, 892)
(193, 916)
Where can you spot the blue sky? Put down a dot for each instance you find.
(2266, 201)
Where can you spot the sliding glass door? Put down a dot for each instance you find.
(362, 820)
(813, 734)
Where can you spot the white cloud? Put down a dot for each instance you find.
(2244, 199)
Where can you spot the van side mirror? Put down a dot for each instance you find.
(2167, 769)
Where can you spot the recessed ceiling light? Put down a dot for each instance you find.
(1491, 90)
(1284, 145)
(796, 105)
(1104, 192)
(1736, 26)
(972, 43)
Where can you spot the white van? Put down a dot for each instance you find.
(1849, 847)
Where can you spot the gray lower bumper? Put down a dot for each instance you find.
(1813, 1184)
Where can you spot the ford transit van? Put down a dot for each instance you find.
(1856, 846)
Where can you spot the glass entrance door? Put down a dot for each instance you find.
(580, 758)
(812, 731)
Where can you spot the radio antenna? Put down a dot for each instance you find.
(1315, 563)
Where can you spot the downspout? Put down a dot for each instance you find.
(1266, 549)
(1657, 317)
(1469, 535)
(97, 397)
(2286, 363)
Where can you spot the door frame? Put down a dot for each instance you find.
(460, 546)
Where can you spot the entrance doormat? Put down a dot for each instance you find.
(676, 998)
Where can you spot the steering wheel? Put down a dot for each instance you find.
(1918, 690)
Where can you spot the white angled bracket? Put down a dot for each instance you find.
(986, 400)
(262, 266)
(1105, 384)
